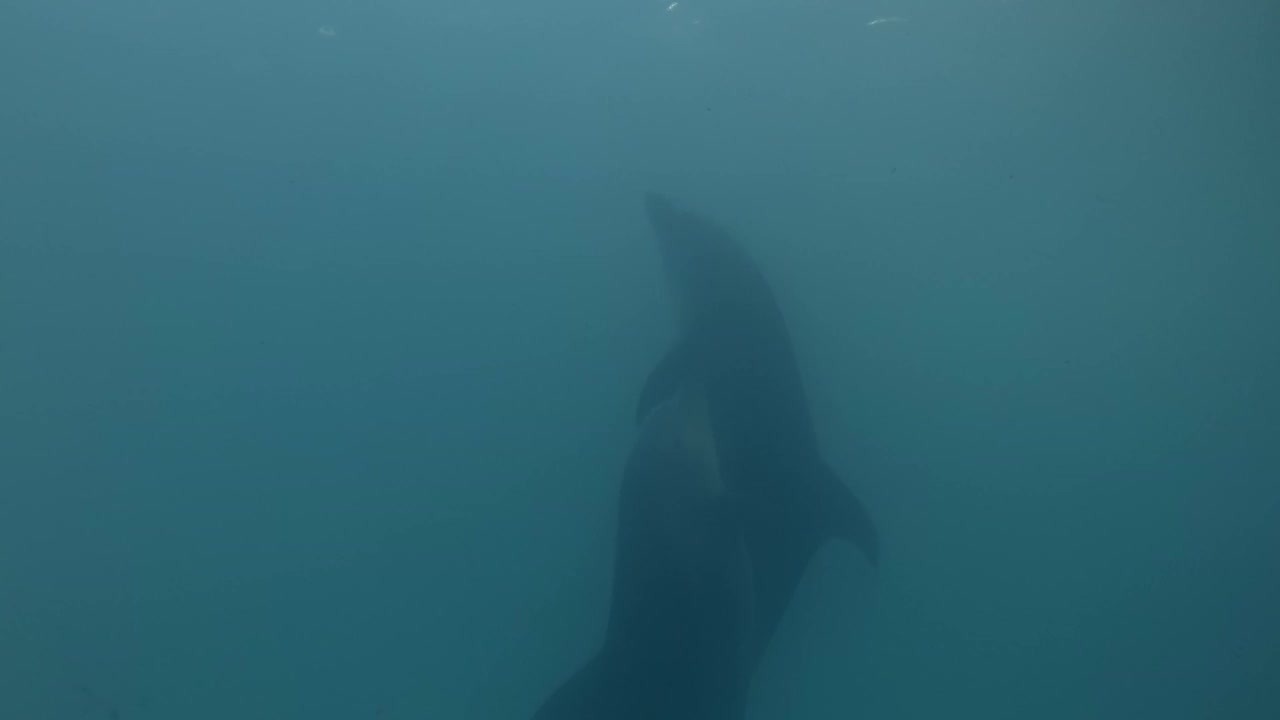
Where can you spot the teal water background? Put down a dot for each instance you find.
(321, 325)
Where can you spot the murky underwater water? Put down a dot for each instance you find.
(321, 328)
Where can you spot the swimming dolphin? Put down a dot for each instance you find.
(734, 340)
(680, 638)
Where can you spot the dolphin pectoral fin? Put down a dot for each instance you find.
(663, 381)
(846, 516)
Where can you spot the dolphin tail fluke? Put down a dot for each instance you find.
(847, 516)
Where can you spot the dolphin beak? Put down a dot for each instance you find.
(670, 225)
(667, 222)
(663, 213)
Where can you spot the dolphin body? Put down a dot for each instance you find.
(680, 638)
(734, 340)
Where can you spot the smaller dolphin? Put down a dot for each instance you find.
(680, 638)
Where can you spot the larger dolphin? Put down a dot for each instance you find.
(734, 340)
(680, 640)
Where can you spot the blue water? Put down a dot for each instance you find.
(321, 325)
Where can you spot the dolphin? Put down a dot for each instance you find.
(680, 636)
(733, 339)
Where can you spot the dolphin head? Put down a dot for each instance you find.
(706, 271)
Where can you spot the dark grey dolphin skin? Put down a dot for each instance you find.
(733, 339)
(680, 638)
